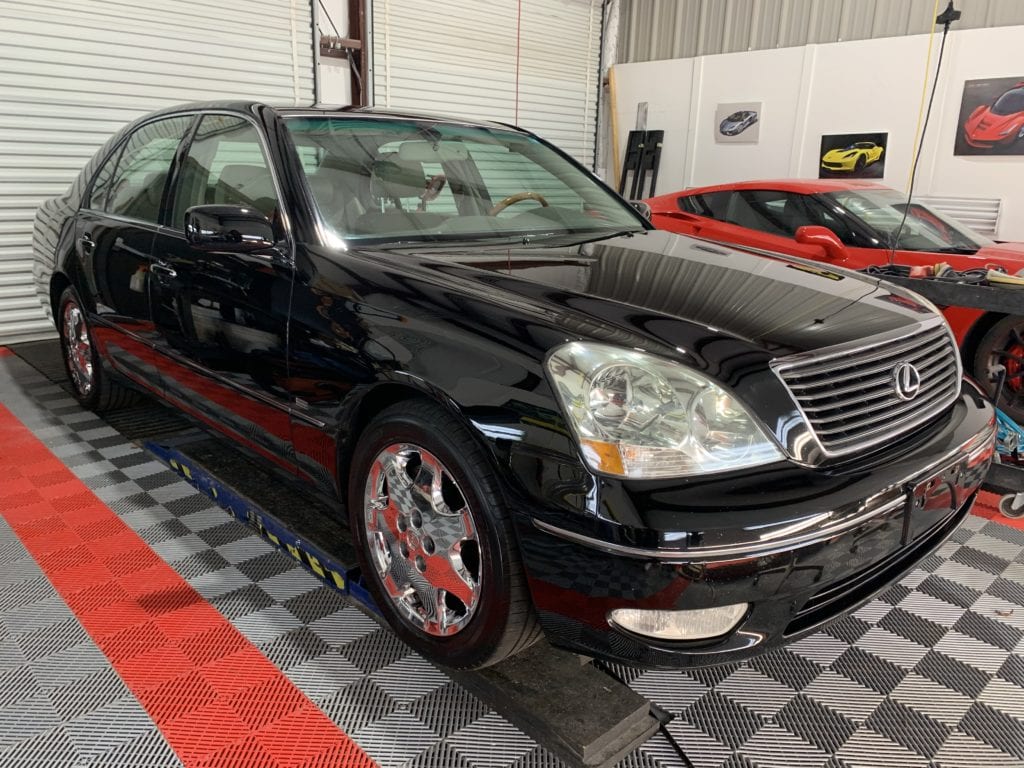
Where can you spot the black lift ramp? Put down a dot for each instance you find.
(559, 699)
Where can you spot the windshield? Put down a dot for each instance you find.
(924, 230)
(1009, 103)
(392, 180)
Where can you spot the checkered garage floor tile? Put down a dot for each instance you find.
(929, 674)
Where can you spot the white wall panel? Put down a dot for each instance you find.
(73, 72)
(458, 57)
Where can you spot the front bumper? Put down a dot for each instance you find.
(808, 568)
(989, 139)
(839, 165)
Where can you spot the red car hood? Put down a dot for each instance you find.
(989, 127)
(1009, 255)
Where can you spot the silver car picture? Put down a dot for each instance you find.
(737, 122)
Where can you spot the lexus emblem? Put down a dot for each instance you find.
(906, 381)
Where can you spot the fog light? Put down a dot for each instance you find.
(697, 624)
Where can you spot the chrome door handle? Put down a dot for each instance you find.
(164, 270)
(87, 243)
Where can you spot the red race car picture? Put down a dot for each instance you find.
(991, 117)
(851, 224)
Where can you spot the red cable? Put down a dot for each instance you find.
(519, 26)
(215, 698)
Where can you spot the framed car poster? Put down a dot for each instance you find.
(991, 120)
(852, 156)
(738, 123)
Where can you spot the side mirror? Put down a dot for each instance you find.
(230, 228)
(823, 237)
(642, 208)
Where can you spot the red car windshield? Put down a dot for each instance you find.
(881, 210)
(1009, 103)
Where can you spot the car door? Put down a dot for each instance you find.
(114, 233)
(221, 318)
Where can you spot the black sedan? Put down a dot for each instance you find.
(537, 412)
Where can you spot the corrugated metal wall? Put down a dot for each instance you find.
(72, 72)
(458, 57)
(675, 29)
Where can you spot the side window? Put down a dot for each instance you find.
(225, 166)
(770, 211)
(138, 184)
(101, 184)
(712, 205)
(822, 216)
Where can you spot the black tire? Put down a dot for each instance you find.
(859, 165)
(103, 392)
(1003, 344)
(503, 621)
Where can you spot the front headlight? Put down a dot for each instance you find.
(636, 415)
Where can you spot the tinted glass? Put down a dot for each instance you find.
(138, 184)
(771, 211)
(225, 165)
(101, 184)
(823, 212)
(1009, 103)
(408, 180)
(711, 204)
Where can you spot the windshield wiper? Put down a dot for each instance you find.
(579, 238)
(966, 250)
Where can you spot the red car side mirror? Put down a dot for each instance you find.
(823, 237)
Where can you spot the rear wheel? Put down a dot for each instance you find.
(1003, 345)
(90, 384)
(435, 539)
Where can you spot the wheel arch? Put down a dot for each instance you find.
(59, 282)
(974, 335)
(68, 273)
(383, 395)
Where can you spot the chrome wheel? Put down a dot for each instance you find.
(78, 349)
(422, 540)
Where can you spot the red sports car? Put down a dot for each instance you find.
(851, 224)
(1000, 123)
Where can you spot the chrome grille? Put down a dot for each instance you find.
(848, 396)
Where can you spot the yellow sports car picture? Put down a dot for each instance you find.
(852, 158)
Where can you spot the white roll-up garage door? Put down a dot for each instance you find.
(72, 72)
(459, 57)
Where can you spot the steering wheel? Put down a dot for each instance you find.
(518, 197)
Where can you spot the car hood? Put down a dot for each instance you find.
(987, 122)
(648, 280)
(1009, 255)
(840, 154)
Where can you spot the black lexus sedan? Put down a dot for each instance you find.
(538, 414)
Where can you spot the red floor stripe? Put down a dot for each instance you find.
(4, 352)
(217, 700)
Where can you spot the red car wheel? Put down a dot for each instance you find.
(1004, 345)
